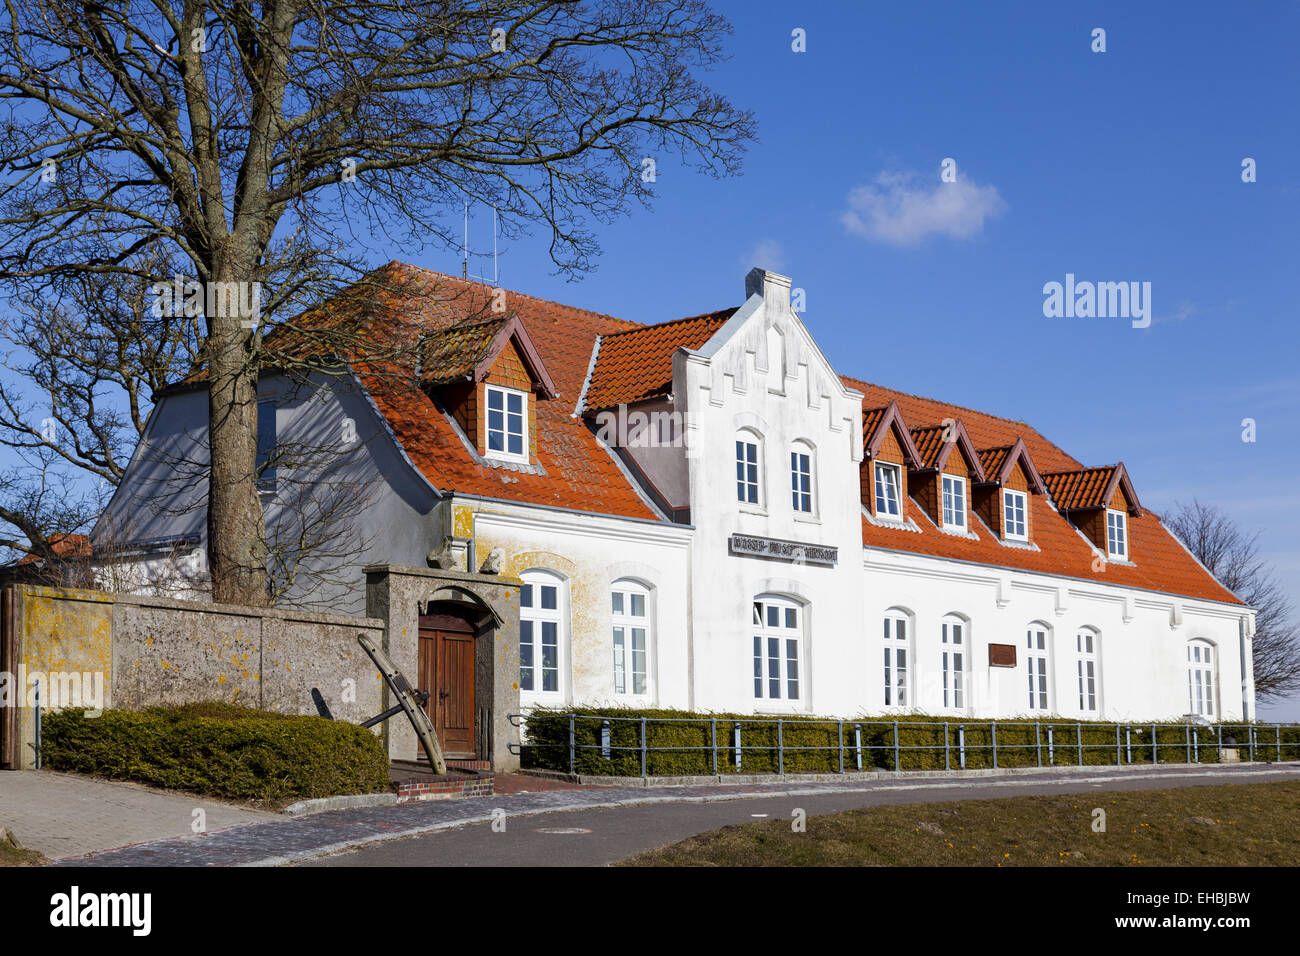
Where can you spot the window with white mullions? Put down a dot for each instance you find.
(954, 662)
(897, 635)
(1117, 534)
(954, 502)
(1014, 524)
(888, 493)
(1085, 645)
(1200, 678)
(747, 471)
(631, 633)
(507, 422)
(801, 481)
(542, 627)
(1036, 660)
(778, 642)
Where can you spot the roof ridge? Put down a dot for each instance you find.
(940, 401)
(525, 295)
(642, 327)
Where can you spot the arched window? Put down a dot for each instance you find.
(778, 648)
(1200, 678)
(898, 635)
(630, 607)
(1037, 660)
(749, 455)
(802, 487)
(955, 642)
(543, 633)
(1085, 646)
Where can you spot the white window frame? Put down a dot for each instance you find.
(1038, 665)
(897, 638)
(767, 666)
(1010, 497)
(623, 627)
(745, 481)
(504, 453)
(538, 617)
(958, 490)
(800, 496)
(1201, 685)
(1086, 641)
(1121, 522)
(955, 659)
(881, 469)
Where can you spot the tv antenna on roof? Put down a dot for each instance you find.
(496, 276)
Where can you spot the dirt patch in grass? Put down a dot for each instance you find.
(1231, 825)
(12, 854)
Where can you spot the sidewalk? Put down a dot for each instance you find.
(286, 841)
(66, 815)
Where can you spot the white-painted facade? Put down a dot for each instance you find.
(760, 380)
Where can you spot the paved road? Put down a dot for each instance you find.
(63, 814)
(593, 837)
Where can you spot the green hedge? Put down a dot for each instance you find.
(221, 750)
(811, 744)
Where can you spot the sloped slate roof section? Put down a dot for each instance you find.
(637, 365)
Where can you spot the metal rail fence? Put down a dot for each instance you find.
(1054, 743)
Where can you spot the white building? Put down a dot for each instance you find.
(709, 516)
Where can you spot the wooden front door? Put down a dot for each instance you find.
(447, 673)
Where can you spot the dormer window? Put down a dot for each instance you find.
(1117, 534)
(1014, 524)
(507, 423)
(888, 499)
(954, 503)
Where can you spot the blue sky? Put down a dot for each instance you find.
(1115, 166)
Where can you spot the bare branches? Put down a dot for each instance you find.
(238, 142)
(1232, 556)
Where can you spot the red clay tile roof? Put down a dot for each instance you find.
(1160, 562)
(993, 459)
(635, 365)
(467, 350)
(63, 546)
(929, 442)
(453, 353)
(998, 463)
(1084, 488)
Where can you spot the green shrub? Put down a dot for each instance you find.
(685, 747)
(218, 749)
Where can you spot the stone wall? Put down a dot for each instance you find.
(125, 651)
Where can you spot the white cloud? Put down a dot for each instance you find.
(900, 210)
(767, 254)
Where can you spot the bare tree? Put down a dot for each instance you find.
(1232, 556)
(247, 139)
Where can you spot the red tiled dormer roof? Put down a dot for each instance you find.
(999, 462)
(1160, 563)
(934, 444)
(467, 350)
(635, 365)
(634, 362)
(1090, 488)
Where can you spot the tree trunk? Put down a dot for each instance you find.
(236, 532)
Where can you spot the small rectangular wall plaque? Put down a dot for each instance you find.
(1002, 655)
